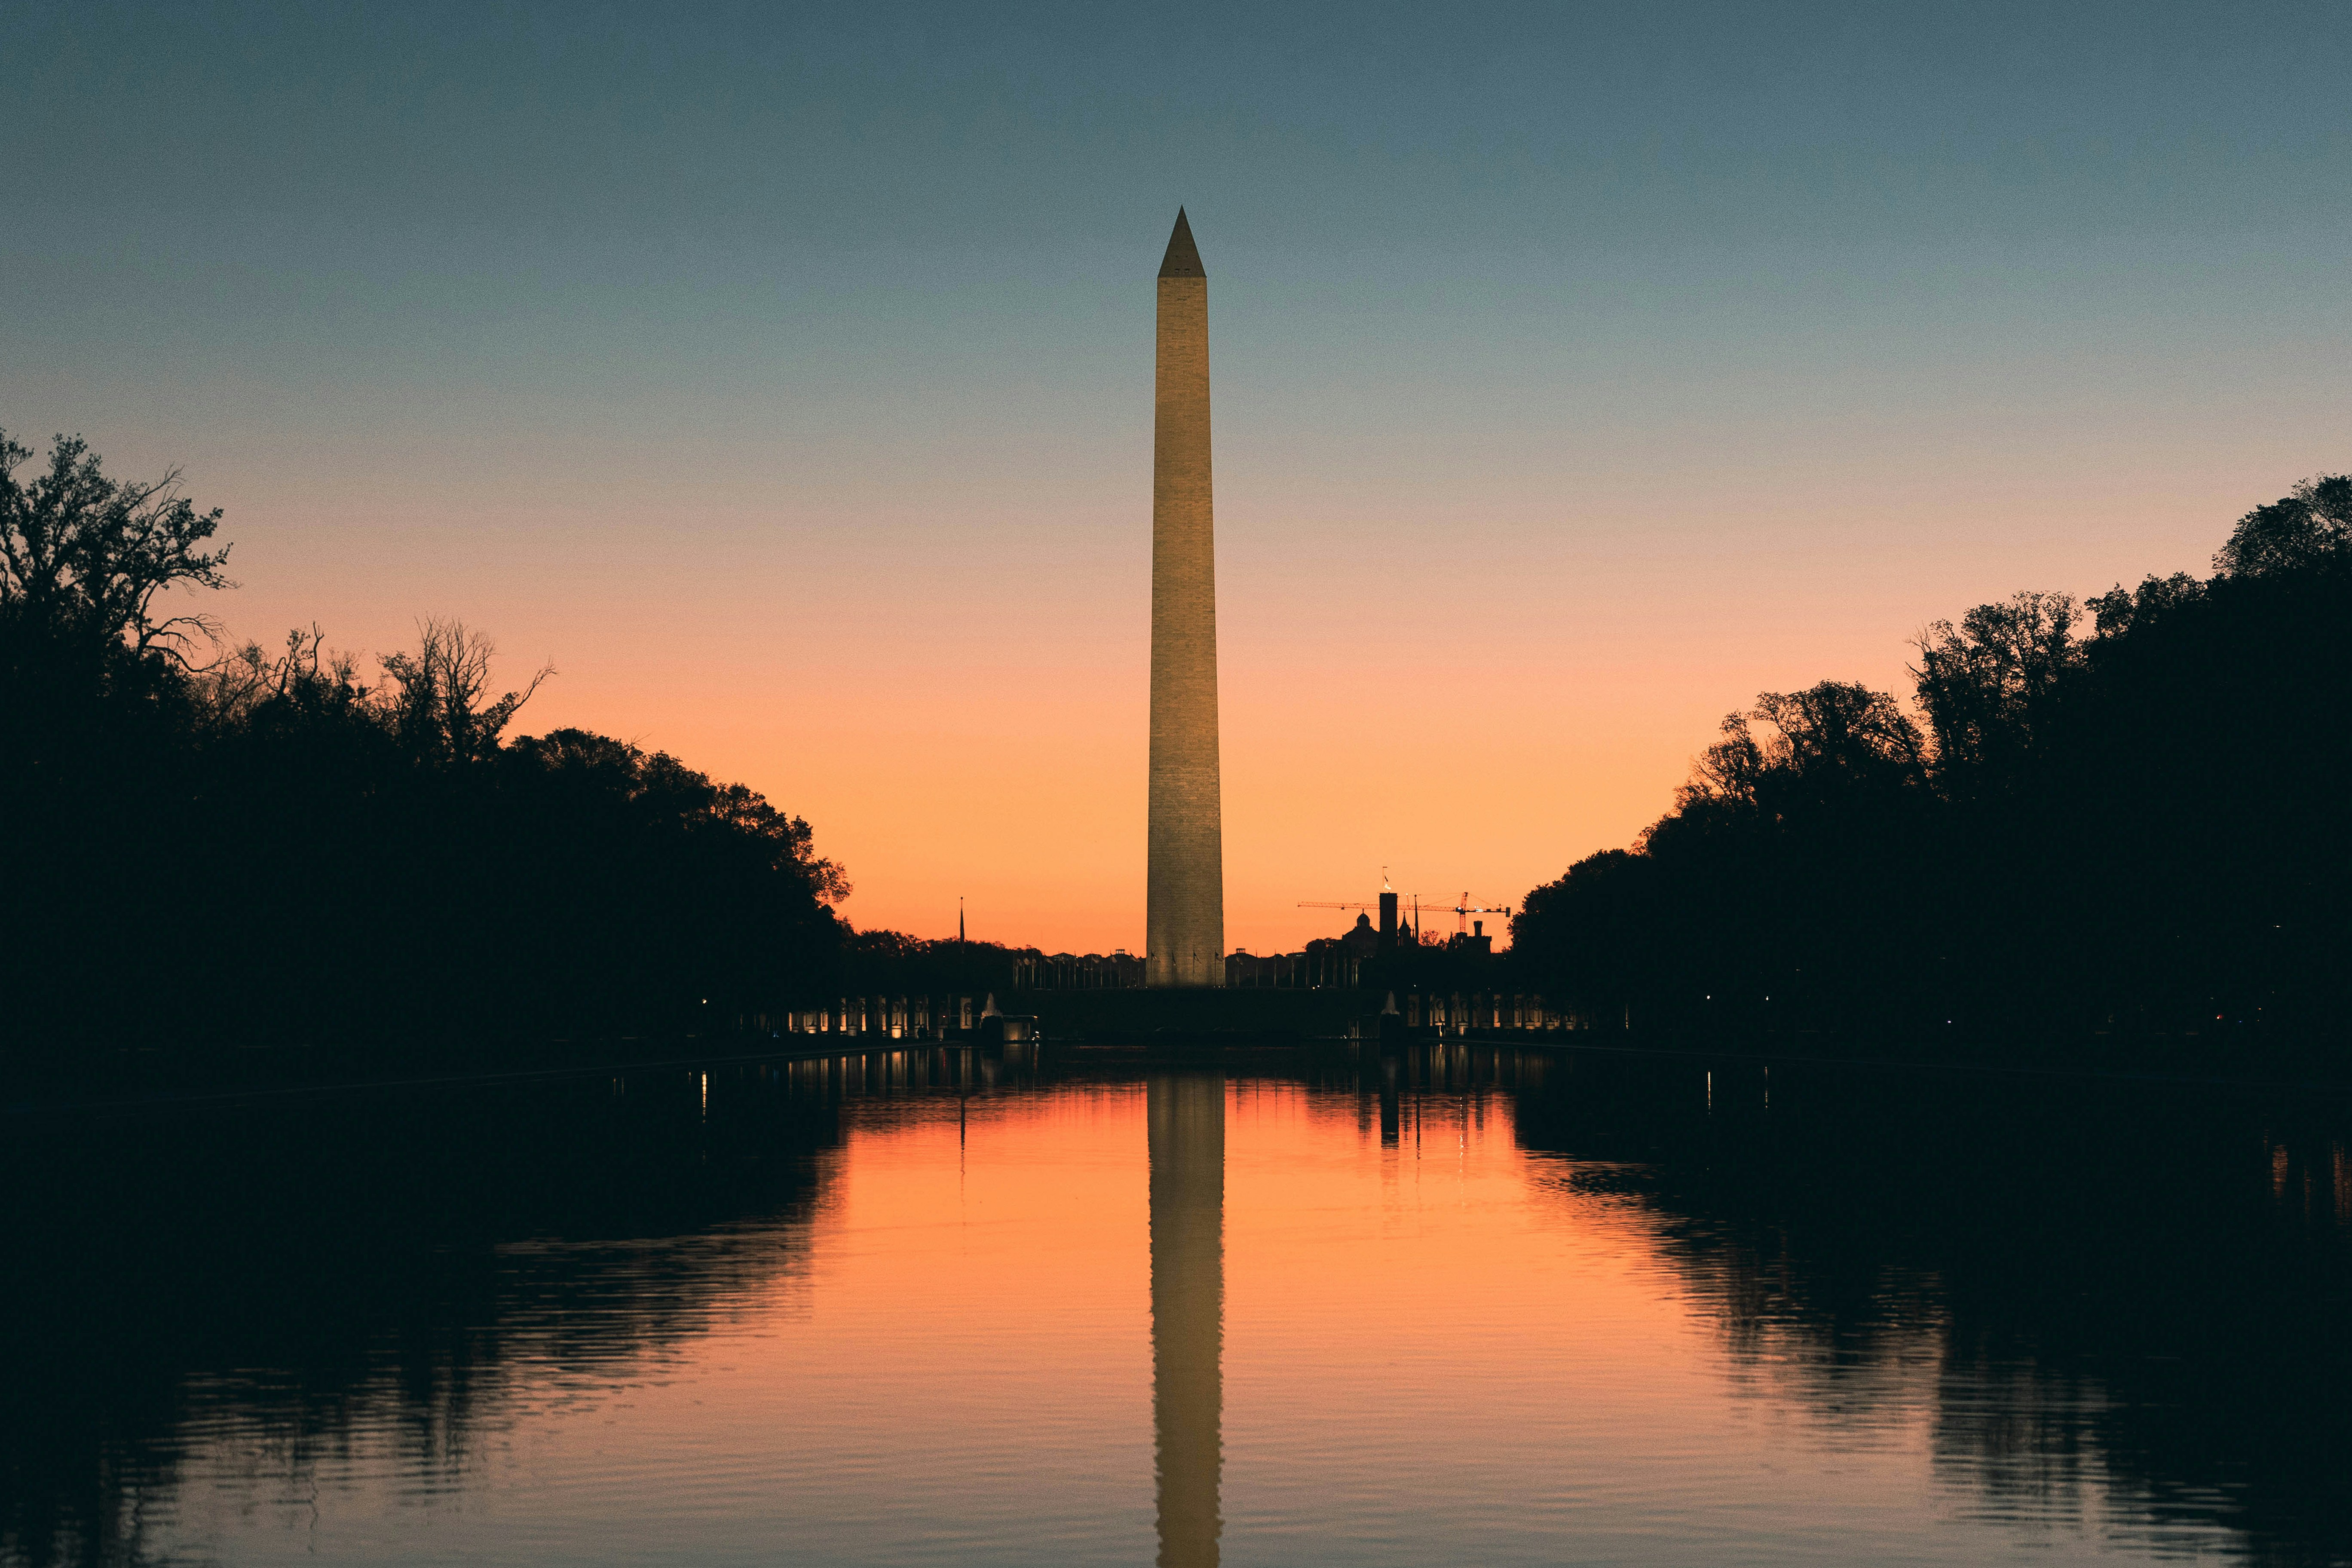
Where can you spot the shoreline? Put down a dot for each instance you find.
(266, 1079)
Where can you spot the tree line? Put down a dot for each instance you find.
(2122, 817)
(2118, 817)
(223, 845)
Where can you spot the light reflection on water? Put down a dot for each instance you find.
(940, 1308)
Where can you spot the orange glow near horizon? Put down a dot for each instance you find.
(981, 732)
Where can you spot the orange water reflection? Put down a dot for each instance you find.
(1359, 1319)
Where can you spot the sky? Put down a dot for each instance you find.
(783, 376)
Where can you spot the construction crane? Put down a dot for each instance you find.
(1329, 904)
(1408, 917)
(1410, 900)
(1466, 908)
(1461, 912)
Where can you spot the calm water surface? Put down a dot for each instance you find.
(941, 1306)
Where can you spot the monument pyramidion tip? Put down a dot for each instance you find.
(1183, 258)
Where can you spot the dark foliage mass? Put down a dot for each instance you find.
(254, 847)
(881, 962)
(2122, 817)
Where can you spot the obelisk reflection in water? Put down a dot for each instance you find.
(1186, 1117)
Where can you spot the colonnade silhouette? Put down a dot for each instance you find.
(1186, 1118)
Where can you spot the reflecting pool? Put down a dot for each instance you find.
(940, 1305)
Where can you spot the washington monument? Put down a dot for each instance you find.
(1184, 901)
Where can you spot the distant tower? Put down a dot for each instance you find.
(1184, 901)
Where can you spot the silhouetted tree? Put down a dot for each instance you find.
(84, 558)
(1990, 687)
(263, 846)
(441, 710)
(2307, 530)
(892, 963)
(2125, 834)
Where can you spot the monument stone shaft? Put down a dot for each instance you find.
(1184, 900)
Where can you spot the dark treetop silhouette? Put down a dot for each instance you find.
(2134, 831)
(264, 847)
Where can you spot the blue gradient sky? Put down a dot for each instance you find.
(783, 376)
